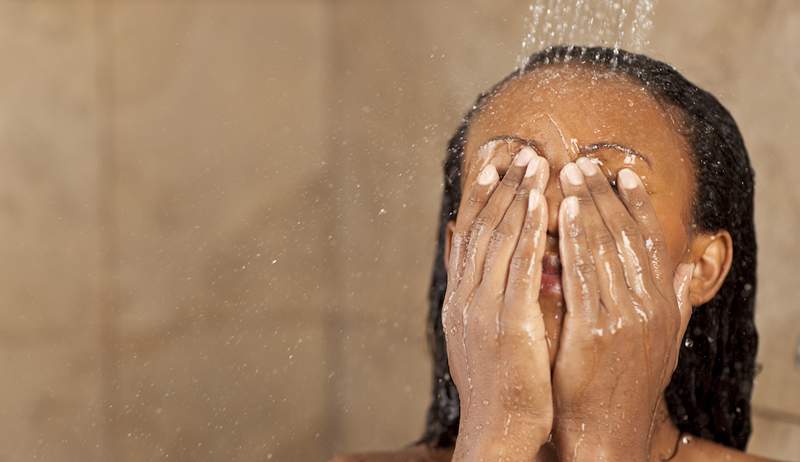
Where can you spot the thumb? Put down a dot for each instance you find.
(683, 275)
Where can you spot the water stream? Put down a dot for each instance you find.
(609, 23)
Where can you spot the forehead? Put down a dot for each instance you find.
(563, 107)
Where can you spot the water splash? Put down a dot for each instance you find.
(609, 23)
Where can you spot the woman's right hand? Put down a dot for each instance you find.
(493, 326)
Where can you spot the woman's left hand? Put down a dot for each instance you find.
(626, 313)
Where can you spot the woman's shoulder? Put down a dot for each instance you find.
(419, 453)
(705, 450)
(701, 451)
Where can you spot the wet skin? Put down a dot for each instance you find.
(571, 364)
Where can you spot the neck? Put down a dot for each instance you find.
(664, 443)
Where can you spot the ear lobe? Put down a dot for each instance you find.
(448, 239)
(712, 255)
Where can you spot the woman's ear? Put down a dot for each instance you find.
(448, 238)
(712, 255)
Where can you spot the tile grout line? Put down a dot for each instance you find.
(106, 180)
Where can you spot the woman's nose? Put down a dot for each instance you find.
(554, 196)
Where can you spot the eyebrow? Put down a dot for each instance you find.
(628, 151)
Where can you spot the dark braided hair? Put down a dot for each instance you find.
(709, 394)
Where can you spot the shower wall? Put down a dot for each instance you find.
(218, 217)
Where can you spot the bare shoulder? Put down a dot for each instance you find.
(420, 453)
(705, 450)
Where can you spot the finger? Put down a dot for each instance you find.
(483, 227)
(611, 280)
(456, 298)
(522, 326)
(579, 275)
(472, 205)
(638, 203)
(521, 318)
(498, 152)
(623, 228)
(506, 234)
(525, 269)
(485, 184)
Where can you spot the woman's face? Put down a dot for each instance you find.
(568, 112)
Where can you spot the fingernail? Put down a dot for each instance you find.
(628, 179)
(486, 149)
(573, 174)
(524, 156)
(586, 165)
(533, 167)
(533, 199)
(571, 206)
(488, 175)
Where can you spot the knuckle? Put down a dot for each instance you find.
(509, 181)
(585, 201)
(484, 325)
(521, 194)
(637, 202)
(520, 261)
(475, 201)
(476, 233)
(604, 241)
(585, 266)
(510, 226)
(481, 223)
(500, 235)
(523, 329)
(574, 231)
(517, 284)
(489, 297)
(529, 226)
(625, 225)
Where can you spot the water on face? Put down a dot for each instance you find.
(609, 23)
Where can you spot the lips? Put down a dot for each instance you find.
(551, 264)
(551, 270)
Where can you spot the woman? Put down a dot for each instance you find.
(592, 297)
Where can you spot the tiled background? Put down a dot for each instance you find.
(218, 217)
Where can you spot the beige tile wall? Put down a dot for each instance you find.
(219, 217)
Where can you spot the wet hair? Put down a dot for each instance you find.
(709, 393)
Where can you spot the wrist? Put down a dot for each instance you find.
(600, 453)
(477, 443)
(581, 444)
(487, 449)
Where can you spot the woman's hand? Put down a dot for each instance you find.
(626, 315)
(493, 326)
